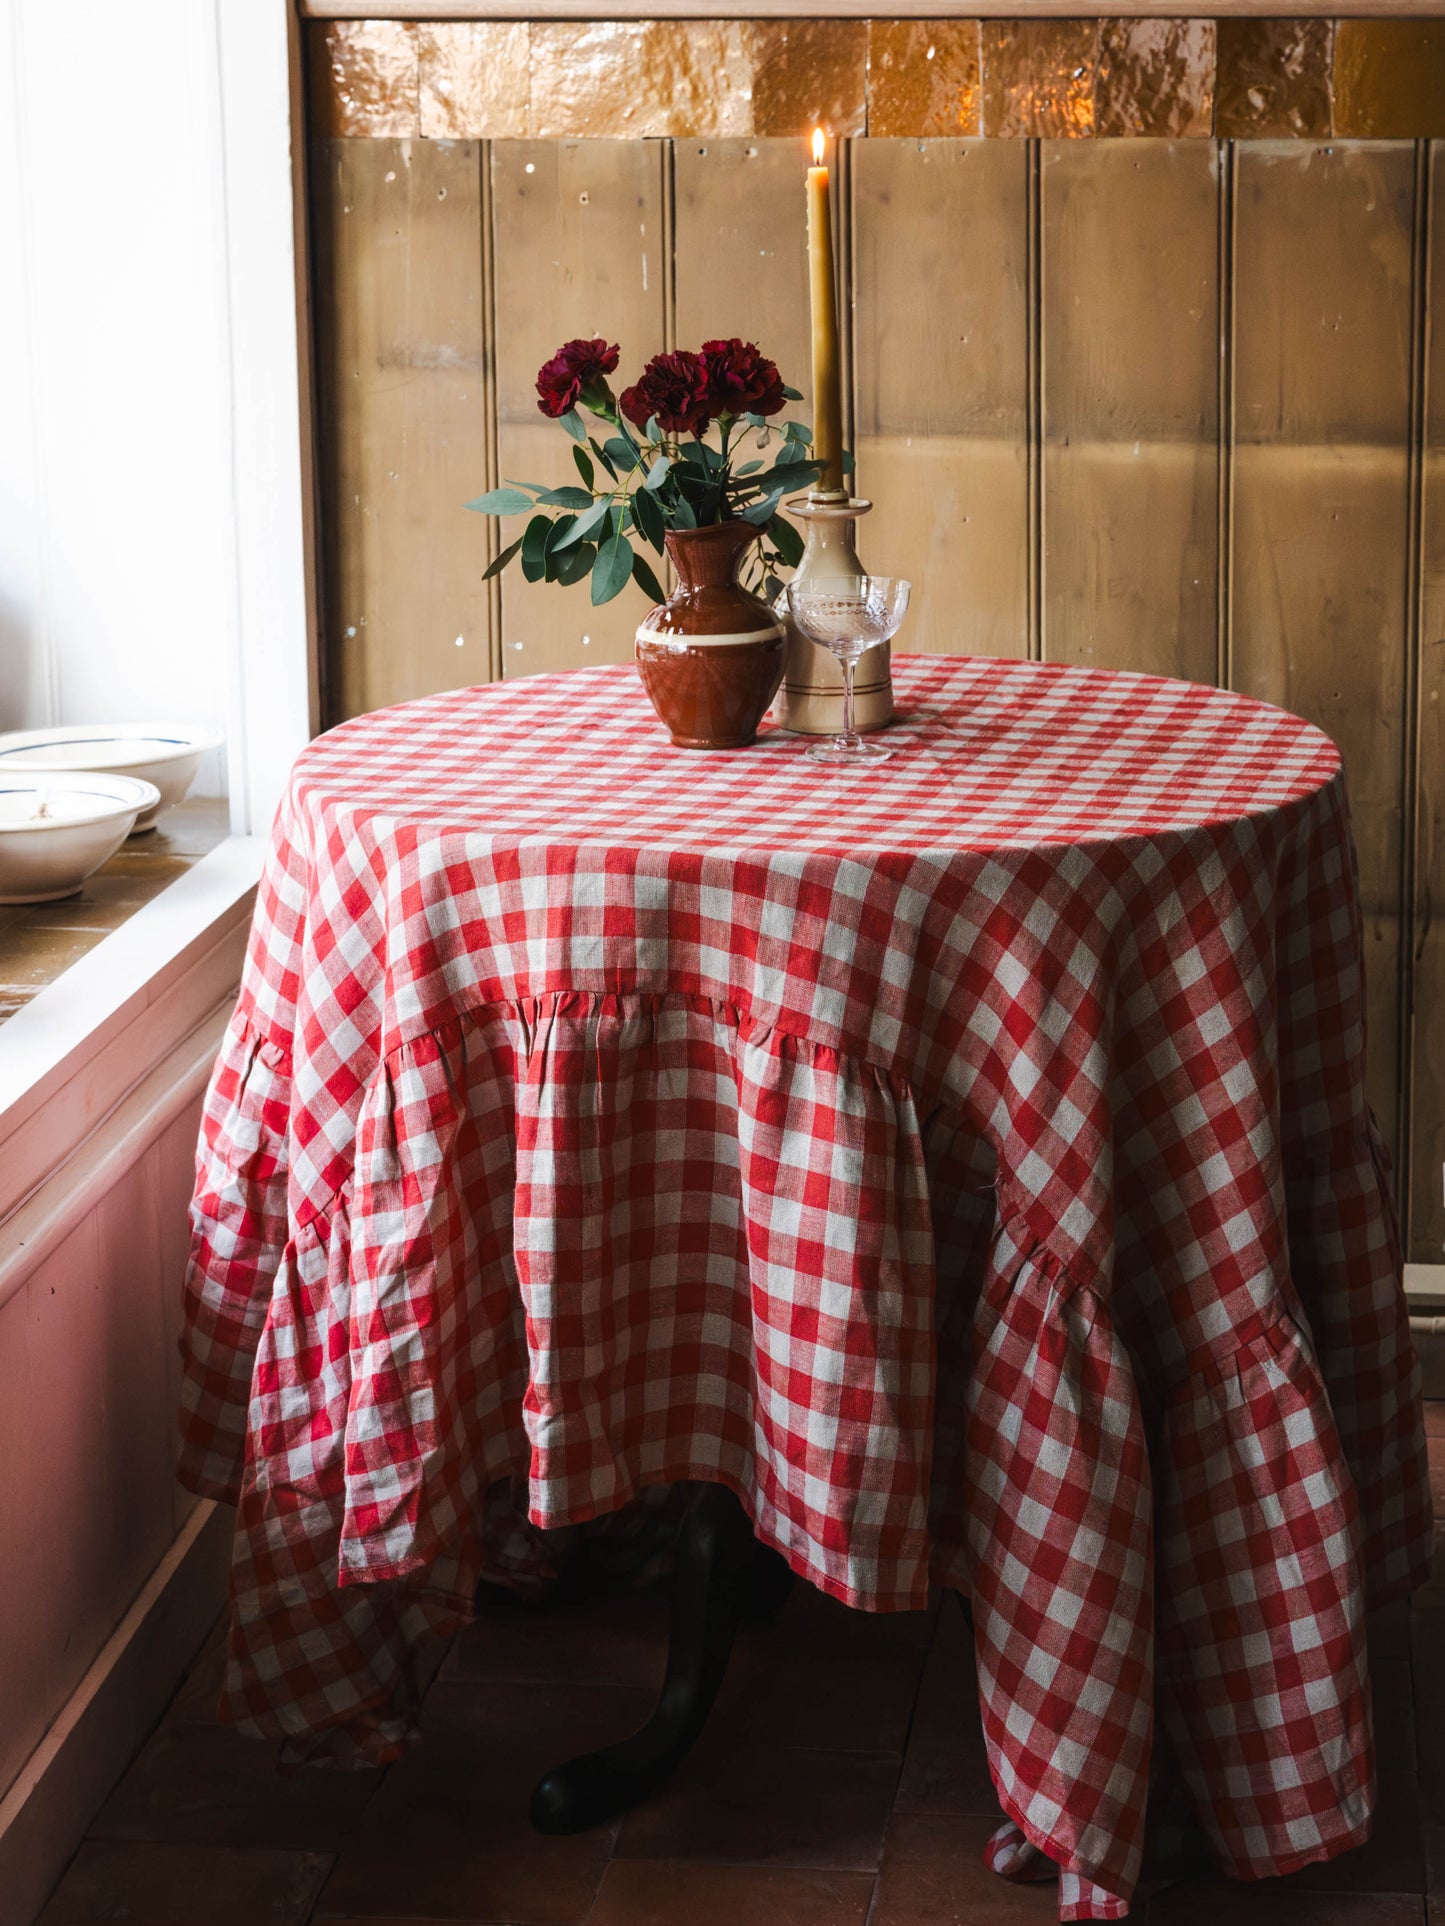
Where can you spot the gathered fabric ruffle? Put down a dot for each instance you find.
(568, 1207)
(594, 1245)
(1209, 1587)
(239, 1231)
(558, 1271)
(1346, 1262)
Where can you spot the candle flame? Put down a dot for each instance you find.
(818, 147)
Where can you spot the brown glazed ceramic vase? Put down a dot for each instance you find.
(711, 656)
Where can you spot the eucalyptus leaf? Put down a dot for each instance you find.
(534, 547)
(647, 513)
(847, 462)
(787, 540)
(749, 468)
(612, 570)
(659, 472)
(646, 580)
(585, 524)
(584, 469)
(682, 513)
(571, 564)
(502, 560)
(799, 431)
(601, 453)
(565, 498)
(654, 433)
(761, 513)
(756, 421)
(792, 474)
(572, 422)
(557, 534)
(623, 453)
(502, 501)
(792, 394)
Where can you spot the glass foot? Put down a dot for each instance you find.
(837, 749)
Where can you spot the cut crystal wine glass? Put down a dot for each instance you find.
(848, 615)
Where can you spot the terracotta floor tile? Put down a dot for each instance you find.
(205, 1785)
(1394, 1859)
(933, 1875)
(613, 1638)
(946, 1767)
(150, 1885)
(858, 1696)
(1211, 1902)
(768, 1805)
(447, 1835)
(663, 1893)
(842, 1679)
(544, 1882)
(485, 1745)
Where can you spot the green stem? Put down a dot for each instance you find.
(725, 428)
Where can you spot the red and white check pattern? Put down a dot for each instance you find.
(966, 1160)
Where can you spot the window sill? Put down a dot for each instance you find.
(123, 1038)
(40, 941)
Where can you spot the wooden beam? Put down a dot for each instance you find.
(861, 10)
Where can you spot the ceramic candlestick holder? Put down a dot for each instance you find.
(810, 701)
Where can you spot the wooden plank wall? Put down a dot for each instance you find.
(1162, 405)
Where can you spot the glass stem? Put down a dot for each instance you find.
(851, 738)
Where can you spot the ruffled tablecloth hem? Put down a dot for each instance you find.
(457, 1318)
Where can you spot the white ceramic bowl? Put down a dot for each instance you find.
(162, 753)
(57, 830)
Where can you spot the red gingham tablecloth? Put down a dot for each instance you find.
(967, 1160)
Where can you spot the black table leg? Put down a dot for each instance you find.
(720, 1574)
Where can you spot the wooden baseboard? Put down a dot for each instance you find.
(62, 1785)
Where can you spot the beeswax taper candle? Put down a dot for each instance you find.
(827, 379)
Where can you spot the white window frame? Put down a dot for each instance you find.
(64, 1042)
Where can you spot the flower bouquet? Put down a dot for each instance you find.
(692, 444)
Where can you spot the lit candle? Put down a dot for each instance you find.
(827, 388)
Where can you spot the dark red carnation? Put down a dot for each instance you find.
(673, 387)
(577, 372)
(740, 379)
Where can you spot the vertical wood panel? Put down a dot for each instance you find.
(940, 252)
(579, 250)
(403, 414)
(740, 252)
(1321, 470)
(741, 243)
(1427, 1123)
(1130, 381)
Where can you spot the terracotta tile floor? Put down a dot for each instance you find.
(841, 1782)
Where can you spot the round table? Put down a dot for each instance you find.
(966, 1160)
